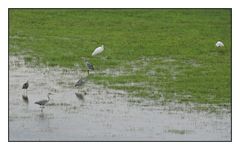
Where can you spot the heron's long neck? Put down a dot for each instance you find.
(48, 98)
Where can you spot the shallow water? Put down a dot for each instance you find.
(95, 113)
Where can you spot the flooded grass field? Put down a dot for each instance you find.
(159, 78)
(97, 113)
(171, 51)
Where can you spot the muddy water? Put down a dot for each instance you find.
(95, 113)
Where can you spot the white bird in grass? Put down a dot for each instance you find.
(219, 44)
(98, 50)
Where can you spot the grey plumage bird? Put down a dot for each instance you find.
(44, 102)
(25, 86)
(81, 82)
(88, 65)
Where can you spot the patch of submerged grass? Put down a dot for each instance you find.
(170, 51)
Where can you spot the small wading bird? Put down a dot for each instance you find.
(98, 50)
(219, 44)
(25, 86)
(89, 66)
(42, 103)
(81, 82)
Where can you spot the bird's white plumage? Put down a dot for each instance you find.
(219, 44)
(98, 50)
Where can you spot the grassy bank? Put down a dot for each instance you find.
(151, 53)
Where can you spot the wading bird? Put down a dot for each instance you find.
(25, 86)
(44, 102)
(89, 66)
(98, 50)
(81, 82)
(219, 44)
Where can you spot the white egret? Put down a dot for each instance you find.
(219, 44)
(98, 50)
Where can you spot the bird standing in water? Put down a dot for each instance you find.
(42, 103)
(81, 82)
(89, 66)
(25, 86)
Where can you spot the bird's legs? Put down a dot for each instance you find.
(88, 71)
(25, 92)
(42, 107)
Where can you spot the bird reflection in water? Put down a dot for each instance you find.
(79, 96)
(43, 120)
(25, 98)
(41, 115)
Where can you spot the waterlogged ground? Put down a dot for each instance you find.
(95, 113)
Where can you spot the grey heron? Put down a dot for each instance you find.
(81, 82)
(44, 102)
(25, 86)
(89, 66)
(98, 50)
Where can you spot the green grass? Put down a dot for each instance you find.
(154, 52)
